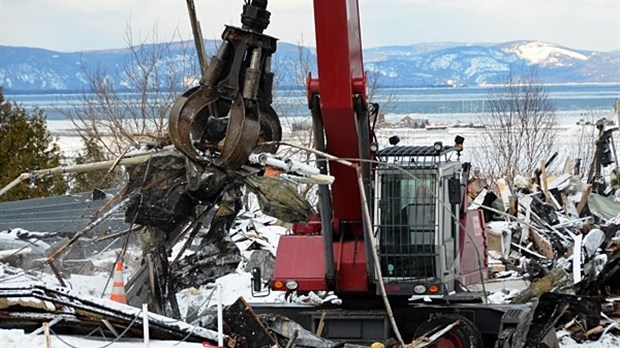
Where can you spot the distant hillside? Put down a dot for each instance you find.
(35, 70)
(479, 64)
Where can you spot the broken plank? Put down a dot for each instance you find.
(576, 257)
(542, 245)
(504, 191)
(541, 286)
(242, 323)
(528, 252)
(525, 229)
(543, 180)
(584, 199)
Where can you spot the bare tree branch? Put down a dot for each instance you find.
(122, 116)
(520, 127)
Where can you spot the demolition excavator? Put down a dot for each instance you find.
(429, 246)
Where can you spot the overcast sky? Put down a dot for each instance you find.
(78, 25)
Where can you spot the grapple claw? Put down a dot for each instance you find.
(179, 126)
(185, 117)
(271, 130)
(234, 95)
(241, 136)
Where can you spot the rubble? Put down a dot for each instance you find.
(557, 234)
(26, 303)
(565, 243)
(191, 231)
(562, 236)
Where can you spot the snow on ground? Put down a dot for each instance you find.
(66, 137)
(606, 341)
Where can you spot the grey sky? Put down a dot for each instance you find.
(76, 25)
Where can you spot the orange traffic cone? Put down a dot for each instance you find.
(118, 285)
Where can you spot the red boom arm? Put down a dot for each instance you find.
(341, 72)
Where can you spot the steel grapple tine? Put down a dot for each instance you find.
(180, 124)
(242, 131)
(241, 135)
(185, 121)
(271, 129)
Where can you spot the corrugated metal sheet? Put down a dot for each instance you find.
(68, 213)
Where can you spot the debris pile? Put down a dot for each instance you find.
(554, 232)
(185, 229)
(27, 303)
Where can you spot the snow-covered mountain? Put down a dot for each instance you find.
(480, 64)
(427, 64)
(544, 54)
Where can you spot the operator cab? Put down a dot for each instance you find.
(416, 215)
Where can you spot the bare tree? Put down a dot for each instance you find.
(288, 100)
(520, 127)
(583, 141)
(121, 117)
(376, 84)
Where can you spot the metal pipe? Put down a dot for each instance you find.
(145, 324)
(268, 160)
(301, 168)
(198, 41)
(318, 179)
(86, 167)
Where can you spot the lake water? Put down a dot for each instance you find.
(437, 104)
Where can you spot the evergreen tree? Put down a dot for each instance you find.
(26, 145)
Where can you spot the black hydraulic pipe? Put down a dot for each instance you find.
(363, 136)
(325, 202)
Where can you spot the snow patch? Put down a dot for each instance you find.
(443, 61)
(605, 341)
(543, 53)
